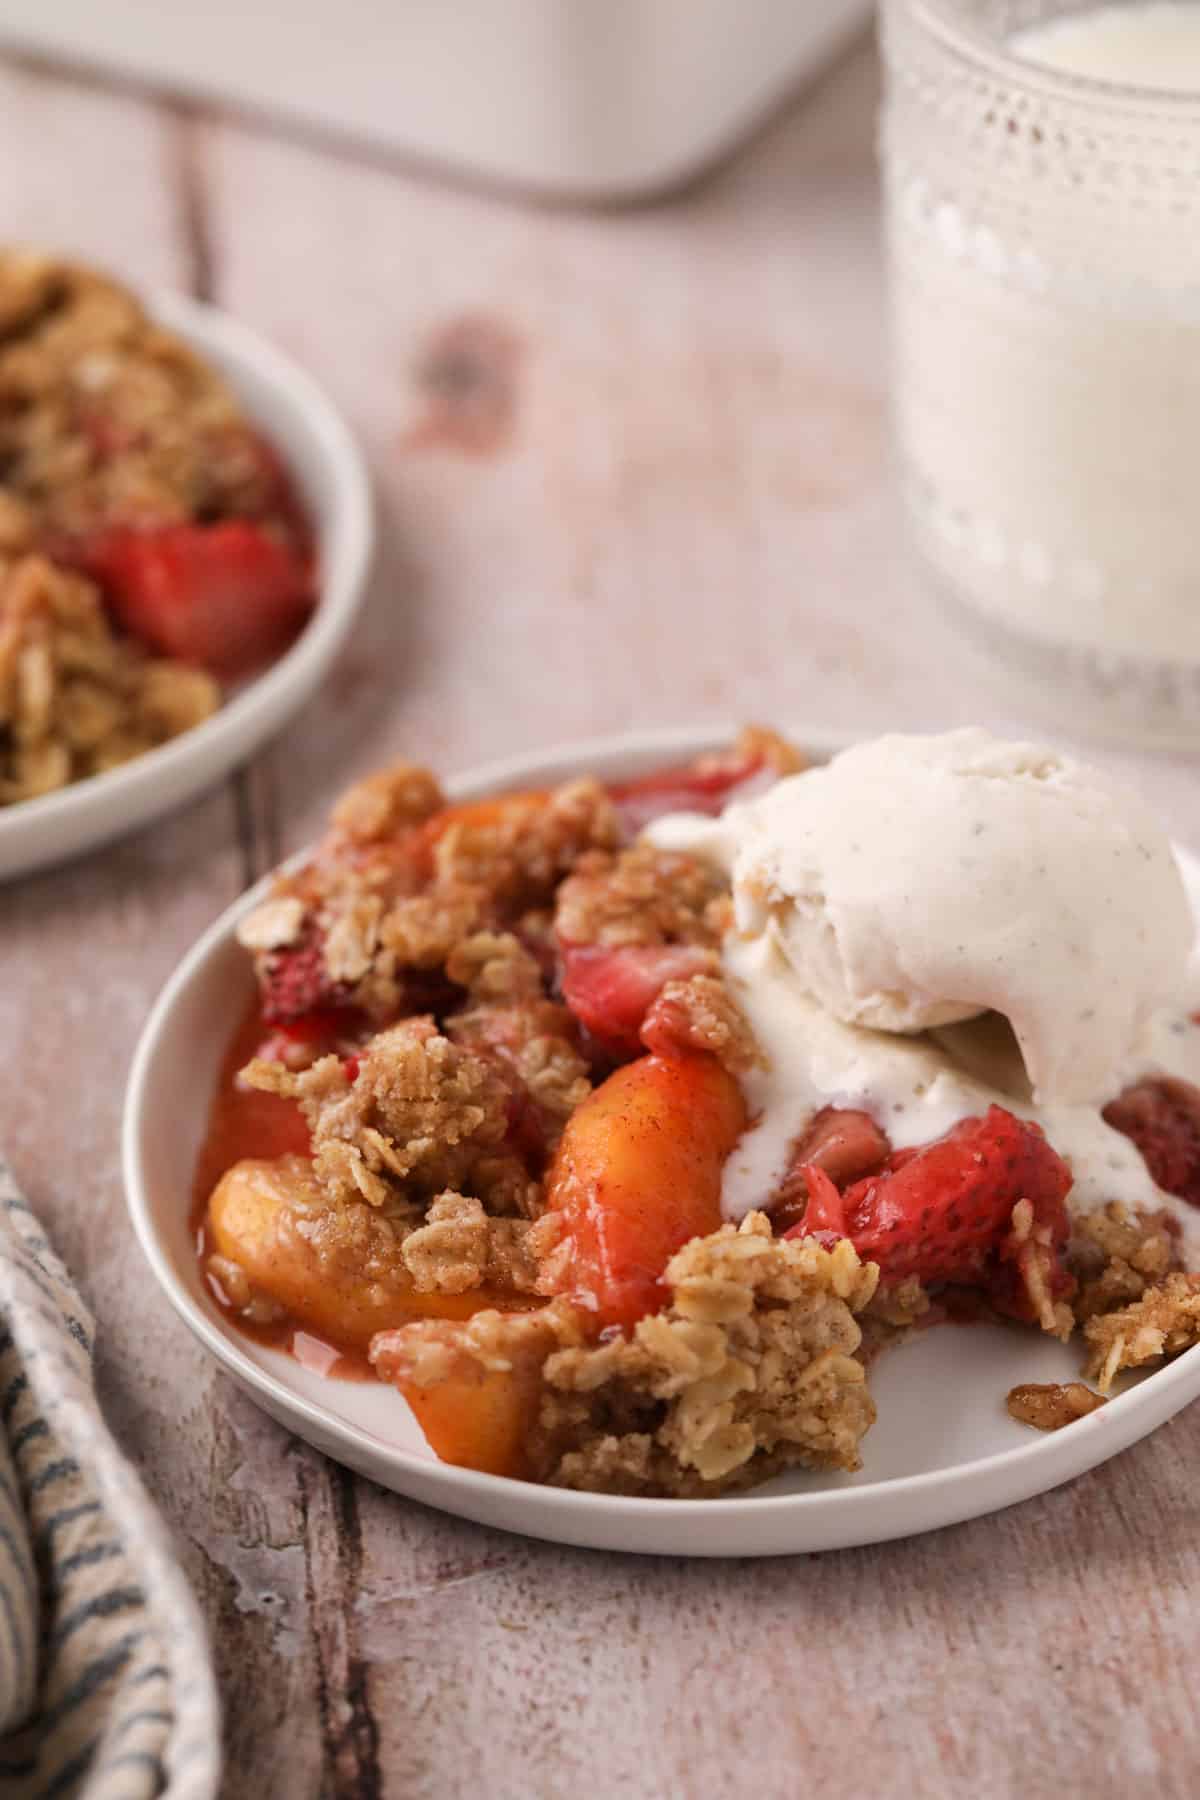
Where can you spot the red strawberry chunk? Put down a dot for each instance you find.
(610, 991)
(228, 596)
(705, 788)
(1162, 1116)
(295, 983)
(842, 1143)
(826, 1208)
(330, 1025)
(845, 1143)
(301, 1041)
(943, 1213)
(669, 1029)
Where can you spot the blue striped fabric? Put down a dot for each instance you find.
(105, 1685)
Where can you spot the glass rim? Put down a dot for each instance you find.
(973, 43)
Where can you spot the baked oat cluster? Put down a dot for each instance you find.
(149, 542)
(506, 1035)
(750, 1366)
(107, 418)
(76, 698)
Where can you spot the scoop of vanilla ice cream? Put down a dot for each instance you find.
(917, 881)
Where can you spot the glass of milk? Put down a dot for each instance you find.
(1042, 179)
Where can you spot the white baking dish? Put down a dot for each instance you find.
(601, 99)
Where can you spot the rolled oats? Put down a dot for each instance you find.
(107, 421)
(76, 699)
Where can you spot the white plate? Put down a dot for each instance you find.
(944, 1448)
(328, 468)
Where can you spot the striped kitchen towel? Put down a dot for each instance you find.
(105, 1685)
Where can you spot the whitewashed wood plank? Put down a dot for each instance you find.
(90, 171)
(83, 950)
(1037, 1653)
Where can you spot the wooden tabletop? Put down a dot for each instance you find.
(631, 469)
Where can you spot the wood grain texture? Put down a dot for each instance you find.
(631, 469)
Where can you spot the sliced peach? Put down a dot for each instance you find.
(478, 1418)
(252, 1218)
(475, 1413)
(638, 1173)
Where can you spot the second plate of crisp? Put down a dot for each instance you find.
(185, 534)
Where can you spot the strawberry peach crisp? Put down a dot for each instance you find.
(518, 1124)
(150, 542)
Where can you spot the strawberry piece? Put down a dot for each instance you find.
(706, 787)
(300, 997)
(473, 1417)
(295, 984)
(610, 991)
(329, 1025)
(227, 596)
(841, 1143)
(943, 1212)
(845, 1143)
(825, 1211)
(1162, 1117)
(669, 1029)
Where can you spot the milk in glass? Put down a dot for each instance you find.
(1043, 180)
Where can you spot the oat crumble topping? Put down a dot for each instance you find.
(641, 896)
(419, 1115)
(376, 808)
(751, 1368)
(1035, 1264)
(380, 901)
(75, 698)
(517, 853)
(701, 1014)
(109, 425)
(106, 417)
(1163, 1322)
(1118, 1255)
(460, 1246)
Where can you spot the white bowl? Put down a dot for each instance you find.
(944, 1448)
(329, 471)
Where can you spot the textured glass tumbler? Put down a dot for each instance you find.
(1044, 243)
